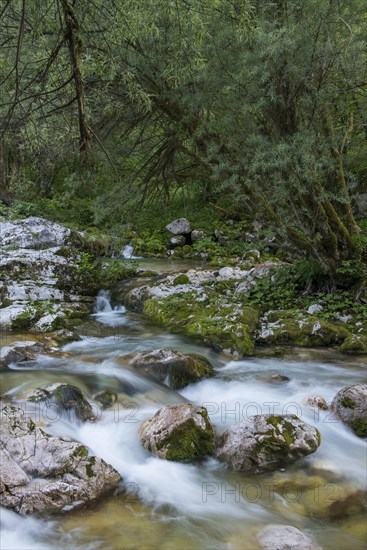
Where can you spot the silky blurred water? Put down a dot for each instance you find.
(187, 506)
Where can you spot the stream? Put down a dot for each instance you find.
(169, 505)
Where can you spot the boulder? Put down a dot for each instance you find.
(36, 233)
(295, 328)
(266, 442)
(23, 351)
(136, 298)
(350, 405)
(180, 226)
(172, 367)
(284, 537)
(64, 397)
(354, 344)
(46, 279)
(178, 240)
(252, 255)
(181, 432)
(197, 235)
(42, 473)
(316, 402)
(273, 378)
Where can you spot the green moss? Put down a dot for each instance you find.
(182, 376)
(359, 426)
(181, 280)
(189, 442)
(355, 343)
(348, 402)
(306, 331)
(81, 451)
(282, 428)
(89, 467)
(318, 437)
(31, 425)
(220, 325)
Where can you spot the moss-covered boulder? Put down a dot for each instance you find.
(181, 433)
(64, 397)
(354, 344)
(350, 405)
(267, 442)
(223, 325)
(172, 367)
(297, 329)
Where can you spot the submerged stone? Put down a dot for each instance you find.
(284, 537)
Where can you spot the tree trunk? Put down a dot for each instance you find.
(75, 49)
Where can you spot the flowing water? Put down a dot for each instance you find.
(188, 506)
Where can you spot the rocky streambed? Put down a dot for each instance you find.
(136, 435)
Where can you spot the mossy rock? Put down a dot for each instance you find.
(174, 368)
(181, 280)
(354, 344)
(303, 331)
(266, 442)
(350, 405)
(222, 326)
(181, 433)
(105, 398)
(67, 398)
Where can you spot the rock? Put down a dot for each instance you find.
(274, 378)
(197, 235)
(253, 255)
(136, 298)
(181, 280)
(179, 227)
(66, 398)
(314, 308)
(23, 351)
(106, 398)
(284, 537)
(181, 432)
(294, 328)
(45, 277)
(36, 233)
(316, 402)
(178, 240)
(355, 343)
(41, 473)
(172, 367)
(64, 336)
(266, 442)
(226, 272)
(350, 405)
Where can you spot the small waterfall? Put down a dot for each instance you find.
(106, 314)
(103, 302)
(128, 253)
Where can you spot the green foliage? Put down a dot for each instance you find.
(277, 135)
(209, 246)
